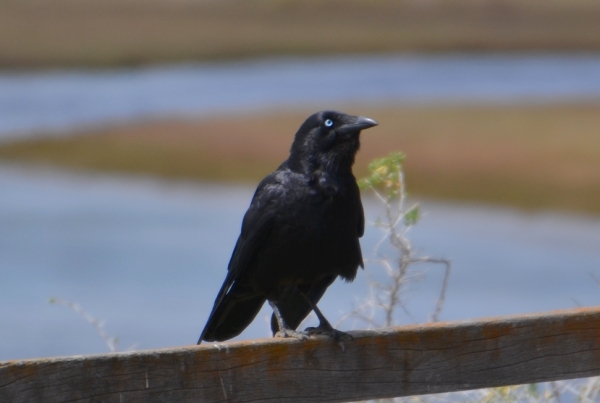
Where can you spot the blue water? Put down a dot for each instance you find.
(148, 257)
(31, 103)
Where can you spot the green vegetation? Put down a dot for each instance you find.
(386, 300)
(528, 156)
(68, 33)
(385, 175)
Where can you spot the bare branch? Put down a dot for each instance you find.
(387, 297)
(111, 342)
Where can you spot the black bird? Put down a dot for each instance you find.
(299, 234)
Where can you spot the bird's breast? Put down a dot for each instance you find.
(316, 236)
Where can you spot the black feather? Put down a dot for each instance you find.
(300, 232)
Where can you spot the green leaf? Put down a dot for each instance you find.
(412, 216)
(385, 175)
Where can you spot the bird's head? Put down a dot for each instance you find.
(327, 140)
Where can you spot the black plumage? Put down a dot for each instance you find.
(299, 234)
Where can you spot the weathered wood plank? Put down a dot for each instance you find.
(400, 361)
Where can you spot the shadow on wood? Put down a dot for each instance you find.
(400, 361)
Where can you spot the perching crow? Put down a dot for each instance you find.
(299, 234)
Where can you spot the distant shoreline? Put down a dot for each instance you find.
(534, 157)
(36, 34)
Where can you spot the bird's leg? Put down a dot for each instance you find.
(324, 325)
(284, 329)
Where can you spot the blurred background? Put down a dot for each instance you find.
(133, 134)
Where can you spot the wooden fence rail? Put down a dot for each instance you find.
(400, 361)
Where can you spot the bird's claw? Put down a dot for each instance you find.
(284, 333)
(336, 335)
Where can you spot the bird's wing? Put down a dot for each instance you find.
(360, 225)
(257, 223)
(360, 222)
(256, 227)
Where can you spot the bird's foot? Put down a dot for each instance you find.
(335, 334)
(292, 333)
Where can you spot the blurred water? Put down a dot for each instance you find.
(31, 103)
(149, 256)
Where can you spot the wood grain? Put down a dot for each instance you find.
(398, 361)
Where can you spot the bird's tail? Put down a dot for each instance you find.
(234, 310)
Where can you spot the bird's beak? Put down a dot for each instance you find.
(360, 123)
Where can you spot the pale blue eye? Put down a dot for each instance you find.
(329, 123)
